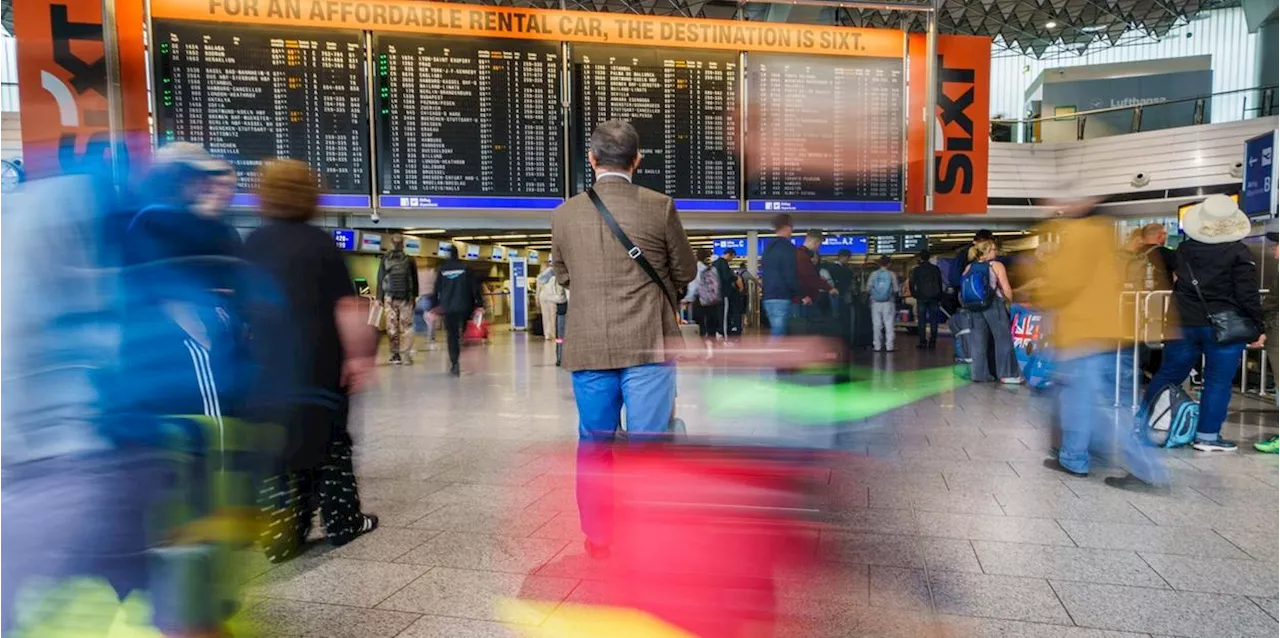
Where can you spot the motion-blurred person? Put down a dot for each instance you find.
(321, 353)
(1217, 283)
(622, 328)
(813, 298)
(1079, 290)
(726, 282)
(424, 321)
(778, 275)
(926, 288)
(134, 377)
(882, 286)
(992, 330)
(1269, 259)
(457, 297)
(735, 297)
(550, 294)
(708, 299)
(398, 290)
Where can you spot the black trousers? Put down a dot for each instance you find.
(289, 500)
(454, 324)
(710, 319)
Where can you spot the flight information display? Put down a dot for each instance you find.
(250, 94)
(914, 243)
(468, 122)
(826, 133)
(885, 244)
(685, 107)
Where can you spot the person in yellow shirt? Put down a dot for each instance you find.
(1079, 291)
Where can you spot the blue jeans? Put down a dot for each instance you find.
(1089, 423)
(1220, 364)
(649, 393)
(779, 313)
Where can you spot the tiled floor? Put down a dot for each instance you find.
(943, 521)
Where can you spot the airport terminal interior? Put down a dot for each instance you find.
(403, 318)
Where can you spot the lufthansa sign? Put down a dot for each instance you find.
(511, 22)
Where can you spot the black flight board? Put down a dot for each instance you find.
(887, 244)
(252, 94)
(914, 243)
(684, 105)
(824, 128)
(469, 117)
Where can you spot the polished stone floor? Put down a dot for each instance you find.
(943, 521)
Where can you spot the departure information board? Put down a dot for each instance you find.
(885, 244)
(468, 123)
(684, 105)
(249, 94)
(826, 133)
(914, 243)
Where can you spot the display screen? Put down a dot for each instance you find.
(886, 244)
(684, 105)
(249, 95)
(344, 239)
(914, 243)
(468, 123)
(826, 133)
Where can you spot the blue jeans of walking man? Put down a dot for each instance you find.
(1220, 363)
(648, 393)
(779, 313)
(1090, 423)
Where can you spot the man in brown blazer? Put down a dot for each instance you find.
(621, 331)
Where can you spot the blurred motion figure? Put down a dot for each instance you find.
(318, 351)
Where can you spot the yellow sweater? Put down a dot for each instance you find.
(1081, 282)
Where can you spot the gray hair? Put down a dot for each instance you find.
(615, 144)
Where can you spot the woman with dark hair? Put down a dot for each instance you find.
(317, 352)
(1216, 279)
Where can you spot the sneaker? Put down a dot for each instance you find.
(1053, 464)
(1269, 446)
(1011, 380)
(1131, 483)
(455, 370)
(1219, 445)
(368, 524)
(395, 360)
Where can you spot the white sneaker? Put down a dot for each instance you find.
(1011, 380)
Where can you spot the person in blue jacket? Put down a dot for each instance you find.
(778, 276)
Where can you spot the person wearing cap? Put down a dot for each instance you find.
(1215, 274)
(1269, 257)
(319, 351)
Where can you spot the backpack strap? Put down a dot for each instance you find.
(633, 251)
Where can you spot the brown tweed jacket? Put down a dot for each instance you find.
(618, 317)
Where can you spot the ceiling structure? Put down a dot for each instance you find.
(1033, 27)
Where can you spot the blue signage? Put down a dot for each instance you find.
(519, 295)
(831, 245)
(423, 201)
(817, 206)
(344, 239)
(326, 200)
(1259, 175)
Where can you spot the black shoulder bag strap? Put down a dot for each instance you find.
(633, 251)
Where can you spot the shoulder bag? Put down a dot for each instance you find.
(633, 251)
(1229, 326)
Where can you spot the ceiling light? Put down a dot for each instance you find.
(1094, 29)
(1051, 25)
(427, 231)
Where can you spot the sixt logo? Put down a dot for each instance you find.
(953, 163)
(82, 77)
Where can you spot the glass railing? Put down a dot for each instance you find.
(1066, 124)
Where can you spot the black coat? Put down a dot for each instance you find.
(1228, 278)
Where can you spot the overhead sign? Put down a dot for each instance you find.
(412, 246)
(497, 253)
(473, 251)
(1259, 174)
(914, 243)
(62, 69)
(540, 24)
(886, 244)
(344, 238)
(961, 120)
(444, 249)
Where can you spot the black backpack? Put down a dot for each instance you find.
(929, 283)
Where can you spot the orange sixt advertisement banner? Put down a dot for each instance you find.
(540, 24)
(62, 70)
(961, 119)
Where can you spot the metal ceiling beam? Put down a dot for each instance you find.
(852, 4)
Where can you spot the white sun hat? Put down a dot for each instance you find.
(1216, 220)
